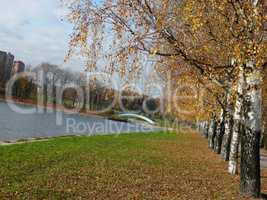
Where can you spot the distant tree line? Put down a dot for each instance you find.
(97, 94)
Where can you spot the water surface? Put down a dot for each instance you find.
(14, 126)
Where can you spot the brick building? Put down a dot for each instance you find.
(18, 67)
(6, 64)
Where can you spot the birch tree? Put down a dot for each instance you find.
(202, 35)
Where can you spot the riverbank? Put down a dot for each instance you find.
(132, 166)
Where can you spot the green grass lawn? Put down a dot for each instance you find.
(132, 166)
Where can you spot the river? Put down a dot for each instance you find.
(15, 125)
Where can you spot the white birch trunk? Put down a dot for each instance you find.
(228, 128)
(250, 138)
(220, 132)
(233, 157)
(212, 132)
(250, 182)
(206, 129)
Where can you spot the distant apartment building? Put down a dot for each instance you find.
(6, 64)
(18, 67)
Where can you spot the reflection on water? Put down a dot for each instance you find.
(21, 126)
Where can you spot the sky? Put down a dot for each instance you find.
(33, 31)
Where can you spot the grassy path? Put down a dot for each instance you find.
(137, 166)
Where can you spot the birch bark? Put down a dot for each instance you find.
(228, 128)
(233, 156)
(250, 137)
